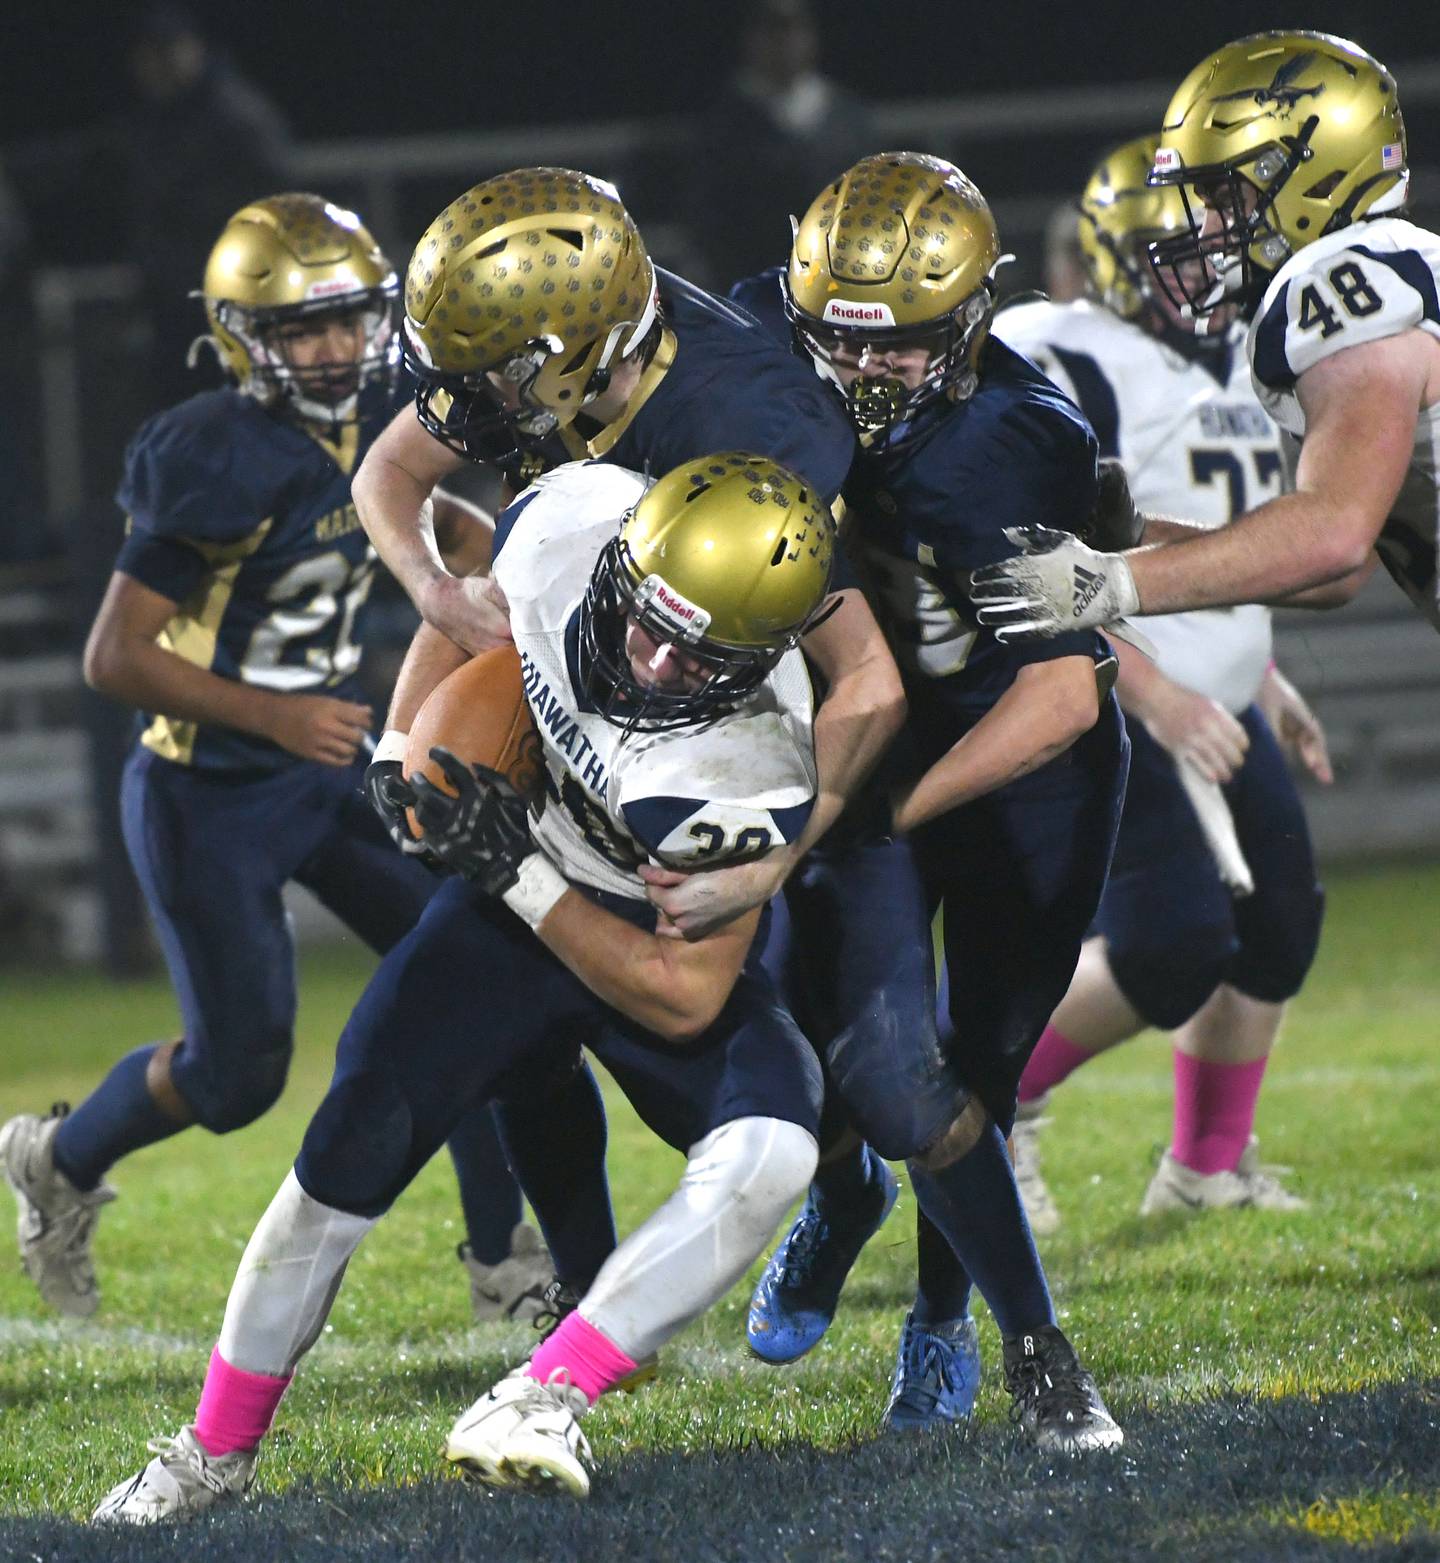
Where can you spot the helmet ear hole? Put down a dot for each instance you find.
(1326, 186)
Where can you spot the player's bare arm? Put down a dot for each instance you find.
(863, 709)
(671, 987)
(478, 826)
(433, 656)
(124, 660)
(464, 534)
(1297, 727)
(1332, 594)
(1191, 727)
(390, 490)
(1049, 706)
(1361, 406)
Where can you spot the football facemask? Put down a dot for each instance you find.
(878, 403)
(726, 560)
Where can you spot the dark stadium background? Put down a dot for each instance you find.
(367, 68)
(395, 109)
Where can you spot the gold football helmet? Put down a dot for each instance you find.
(899, 252)
(1120, 215)
(1286, 136)
(728, 559)
(519, 298)
(295, 258)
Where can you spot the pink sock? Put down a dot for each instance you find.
(1214, 1111)
(236, 1408)
(1055, 1057)
(593, 1362)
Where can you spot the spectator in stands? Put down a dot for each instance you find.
(199, 142)
(777, 131)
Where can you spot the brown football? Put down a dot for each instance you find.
(479, 714)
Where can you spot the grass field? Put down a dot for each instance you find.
(1279, 1377)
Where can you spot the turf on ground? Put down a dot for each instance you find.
(1279, 1377)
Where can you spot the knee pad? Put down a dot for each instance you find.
(739, 1181)
(902, 1094)
(761, 1164)
(1278, 949)
(963, 1135)
(356, 1152)
(1167, 984)
(228, 1095)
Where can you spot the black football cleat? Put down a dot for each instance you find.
(1054, 1399)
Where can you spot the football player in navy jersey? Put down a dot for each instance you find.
(1003, 807)
(539, 330)
(235, 619)
(1296, 215)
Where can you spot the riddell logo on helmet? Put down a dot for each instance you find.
(329, 287)
(688, 620)
(847, 312)
(1167, 160)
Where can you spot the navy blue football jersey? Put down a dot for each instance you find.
(761, 297)
(719, 381)
(245, 521)
(932, 503)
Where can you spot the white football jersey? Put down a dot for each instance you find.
(1362, 283)
(1195, 444)
(688, 797)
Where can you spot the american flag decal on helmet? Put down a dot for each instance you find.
(1392, 157)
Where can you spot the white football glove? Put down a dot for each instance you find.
(1055, 584)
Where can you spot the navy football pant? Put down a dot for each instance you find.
(470, 1005)
(212, 855)
(851, 952)
(1019, 874)
(1173, 931)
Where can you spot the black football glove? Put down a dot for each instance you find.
(389, 794)
(483, 832)
(1114, 524)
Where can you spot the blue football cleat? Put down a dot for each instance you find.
(937, 1375)
(797, 1295)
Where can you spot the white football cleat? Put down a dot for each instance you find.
(515, 1287)
(1035, 1194)
(1267, 1192)
(525, 1436)
(56, 1221)
(181, 1479)
(1250, 1186)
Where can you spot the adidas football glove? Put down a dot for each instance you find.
(1055, 584)
(483, 832)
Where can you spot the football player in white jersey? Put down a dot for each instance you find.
(657, 632)
(1289, 151)
(1211, 916)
